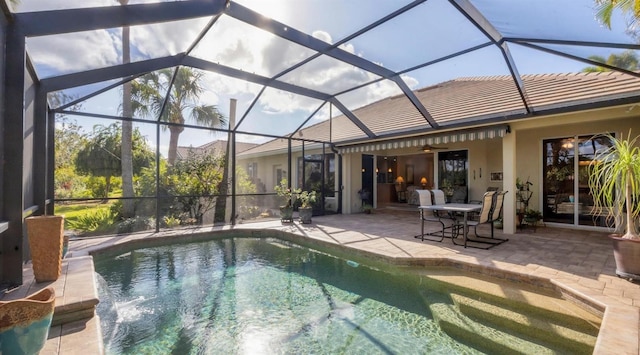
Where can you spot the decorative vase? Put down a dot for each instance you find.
(24, 323)
(286, 214)
(46, 236)
(305, 214)
(627, 255)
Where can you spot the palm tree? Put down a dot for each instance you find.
(626, 60)
(126, 154)
(631, 8)
(148, 100)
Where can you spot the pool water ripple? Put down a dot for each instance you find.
(261, 296)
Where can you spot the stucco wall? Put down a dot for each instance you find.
(530, 136)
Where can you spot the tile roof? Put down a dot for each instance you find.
(218, 145)
(472, 100)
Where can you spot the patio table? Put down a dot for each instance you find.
(465, 208)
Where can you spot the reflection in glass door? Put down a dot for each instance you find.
(453, 169)
(566, 192)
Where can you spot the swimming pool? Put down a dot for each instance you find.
(264, 295)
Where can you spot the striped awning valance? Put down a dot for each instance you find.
(433, 139)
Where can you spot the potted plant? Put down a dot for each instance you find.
(305, 211)
(283, 190)
(614, 181)
(532, 216)
(367, 208)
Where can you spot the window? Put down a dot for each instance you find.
(453, 170)
(252, 171)
(278, 174)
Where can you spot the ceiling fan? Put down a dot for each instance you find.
(429, 148)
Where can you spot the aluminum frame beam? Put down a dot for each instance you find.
(13, 170)
(483, 25)
(43, 23)
(580, 59)
(281, 30)
(109, 73)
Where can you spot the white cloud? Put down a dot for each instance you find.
(231, 43)
(75, 51)
(158, 40)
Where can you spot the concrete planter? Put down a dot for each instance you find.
(627, 255)
(305, 214)
(24, 323)
(286, 214)
(46, 236)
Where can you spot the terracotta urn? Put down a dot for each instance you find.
(46, 239)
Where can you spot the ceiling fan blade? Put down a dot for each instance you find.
(429, 148)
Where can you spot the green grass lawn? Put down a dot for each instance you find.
(73, 211)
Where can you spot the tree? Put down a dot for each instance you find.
(68, 142)
(630, 8)
(148, 100)
(68, 139)
(626, 60)
(99, 155)
(193, 182)
(126, 154)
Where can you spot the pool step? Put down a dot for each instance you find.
(505, 318)
(518, 296)
(479, 336)
(561, 335)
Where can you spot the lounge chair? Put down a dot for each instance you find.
(492, 203)
(434, 217)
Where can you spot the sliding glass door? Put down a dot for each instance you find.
(566, 192)
(453, 170)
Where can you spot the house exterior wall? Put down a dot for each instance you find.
(485, 157)
(530, 134)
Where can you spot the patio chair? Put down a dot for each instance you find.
(438, 197)
(490, 188)
(492, 203)
(433, 216)
(412, 196)
(401, 192)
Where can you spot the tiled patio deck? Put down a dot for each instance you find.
(579, 262)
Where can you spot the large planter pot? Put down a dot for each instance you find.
(305, 214)
(46, 236)
(24, 323)
(286, 214)
(627, 255)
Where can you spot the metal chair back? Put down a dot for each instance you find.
(438, 197)
(497, 209)
(487, 207)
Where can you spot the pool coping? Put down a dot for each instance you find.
(616, 317)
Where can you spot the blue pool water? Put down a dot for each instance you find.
(267, 296)
(259, 296)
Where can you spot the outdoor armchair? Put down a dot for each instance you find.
(429, 216)
(492, 202)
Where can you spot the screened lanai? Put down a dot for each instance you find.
(284, 90)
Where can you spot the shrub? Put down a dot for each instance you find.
(97, 221)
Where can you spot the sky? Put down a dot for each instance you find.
(429, 31)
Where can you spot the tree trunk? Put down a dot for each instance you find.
(221, 201)
(631, 228)
(107, 186)
(173, 143)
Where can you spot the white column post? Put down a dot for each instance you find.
(509, 182)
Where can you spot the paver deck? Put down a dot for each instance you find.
(579, 262)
